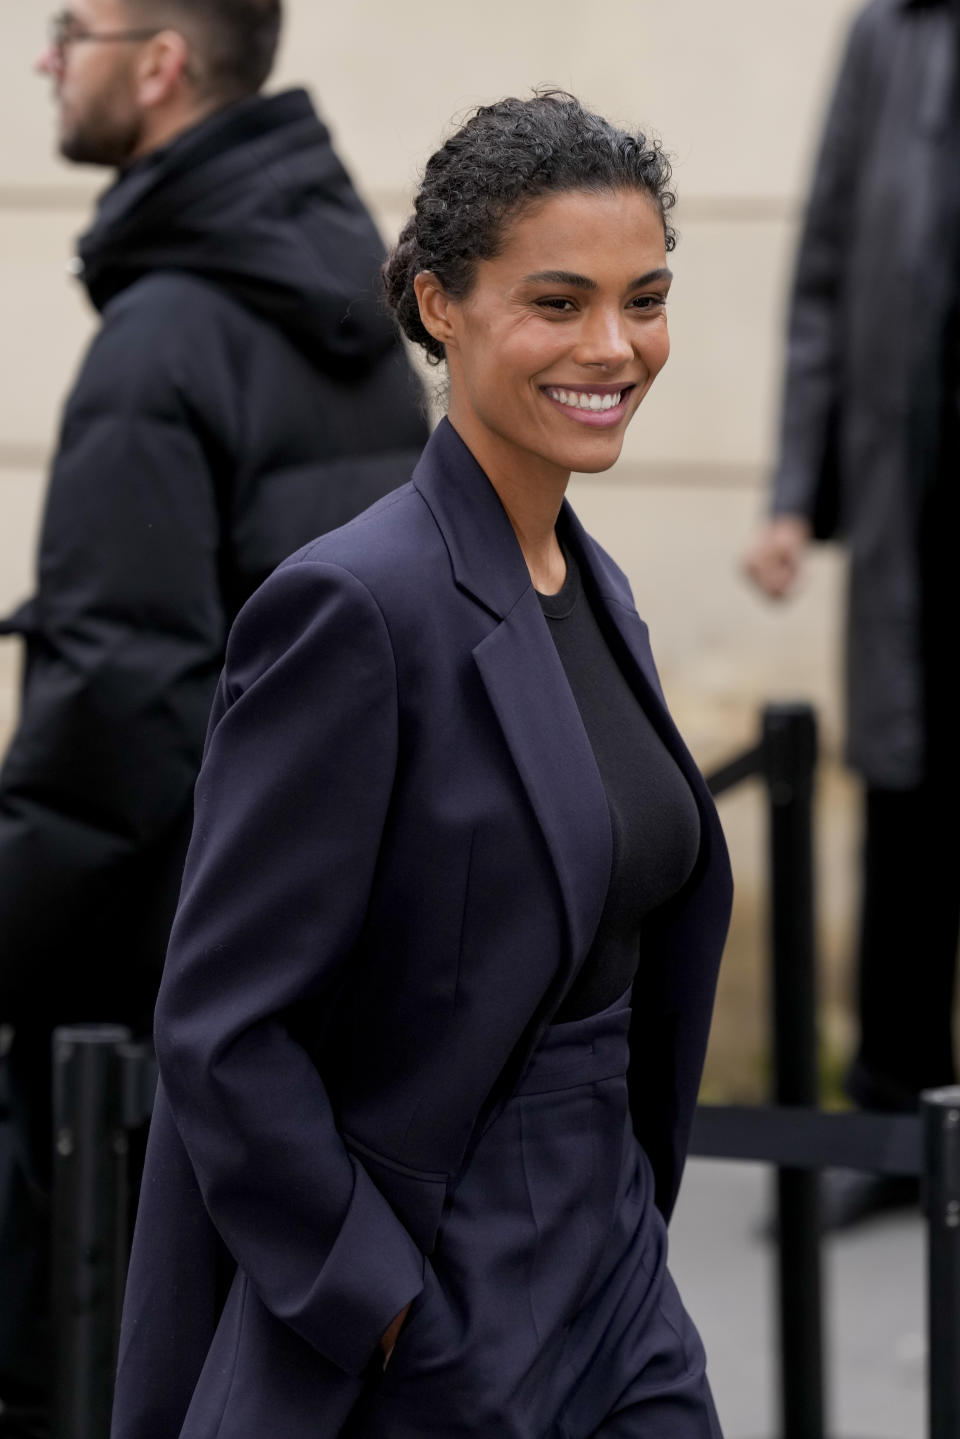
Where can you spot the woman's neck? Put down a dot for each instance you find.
(538, 544)
(531, 491)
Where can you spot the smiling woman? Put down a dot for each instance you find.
(549, 365)
(535, 266)
(437, 997)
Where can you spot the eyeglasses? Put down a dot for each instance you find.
(66, 30)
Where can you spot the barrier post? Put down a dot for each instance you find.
(941, 1127)
(790, 747)
(90, 1224)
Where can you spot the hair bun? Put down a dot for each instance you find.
(400, 269)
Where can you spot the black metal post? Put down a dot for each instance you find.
(941, 1124)
(90, 1227)
(790, 744)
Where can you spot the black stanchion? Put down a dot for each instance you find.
(800, 1139)
(790, 756)
(808, 1138)
(941, 1124)
(90, 1225)
(786, 759)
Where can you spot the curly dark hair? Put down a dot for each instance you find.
(504, 157)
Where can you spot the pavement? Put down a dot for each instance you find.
(874, 1287)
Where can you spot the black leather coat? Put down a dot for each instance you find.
(864, 395)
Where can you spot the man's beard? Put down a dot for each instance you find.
(106, 135)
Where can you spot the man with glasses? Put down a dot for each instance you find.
(244, 393)
(94, 73)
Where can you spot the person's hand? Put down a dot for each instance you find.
(391, 1334)
(775, 559)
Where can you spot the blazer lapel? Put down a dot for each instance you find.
(526, 684)
(541, 723)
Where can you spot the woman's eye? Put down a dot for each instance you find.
(648, 303)
(559, 304)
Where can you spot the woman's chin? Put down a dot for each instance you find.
(594, 460)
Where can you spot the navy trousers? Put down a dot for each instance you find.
(548, 1311)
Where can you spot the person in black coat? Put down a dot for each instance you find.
(246, 391)
(436, 1001)
(869, 445)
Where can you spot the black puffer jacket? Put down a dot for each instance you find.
(245, 392)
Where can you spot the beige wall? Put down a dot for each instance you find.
(736, 92)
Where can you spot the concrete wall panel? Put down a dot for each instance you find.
(733, 89)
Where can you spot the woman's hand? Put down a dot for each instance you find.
(775, 559)
(391, 1334)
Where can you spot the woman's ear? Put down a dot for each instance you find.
(435, 307)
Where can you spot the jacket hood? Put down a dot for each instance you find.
(254, 200)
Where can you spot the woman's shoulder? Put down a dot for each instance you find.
(357, 590)
(386, 548)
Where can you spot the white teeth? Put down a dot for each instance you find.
(581, 400)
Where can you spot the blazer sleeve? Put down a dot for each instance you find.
(806, 480)
(290, 806)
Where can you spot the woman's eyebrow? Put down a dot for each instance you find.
(561, 277)
(583, 282)
(652, 276)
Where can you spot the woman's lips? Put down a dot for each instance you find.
(600, 406)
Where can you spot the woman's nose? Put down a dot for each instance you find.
(604, 340)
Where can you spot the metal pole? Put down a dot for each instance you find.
(790, 743)
(90, 1238)
(941, 1126)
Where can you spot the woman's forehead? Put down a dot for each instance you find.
(578, 229)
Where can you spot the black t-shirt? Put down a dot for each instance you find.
(654, 816)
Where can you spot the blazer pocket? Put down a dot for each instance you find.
(425, 1344)
(416, 1196)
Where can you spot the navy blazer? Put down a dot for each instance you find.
(401, 851)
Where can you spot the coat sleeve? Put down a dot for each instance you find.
(806, 481)
(290, 807)
(124, 643)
